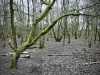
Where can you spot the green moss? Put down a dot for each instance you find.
(14, 61)
(89, 45)
(42, 47)
(68, 41)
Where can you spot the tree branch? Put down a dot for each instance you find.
(38, 20)
(85, 7)
(9, 42)
(54, 22)
(43, 2)
(45, 12)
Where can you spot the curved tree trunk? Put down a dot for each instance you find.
(30, 41)
(17, 54)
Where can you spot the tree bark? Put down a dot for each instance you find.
(17, 55)
(12, 25)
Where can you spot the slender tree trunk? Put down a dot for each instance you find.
(68, 38)
(42, 40)
(65, 21)
(95, 34)
(87, 26)
(12, 25)
(81, 31)
(28, 21)
(64, 36)
(99, 36)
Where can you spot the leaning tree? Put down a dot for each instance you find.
(32, 39)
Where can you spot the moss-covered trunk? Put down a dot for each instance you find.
(17, 54)
(30, 40)
(14, 61)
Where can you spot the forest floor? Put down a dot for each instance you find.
(72, 59)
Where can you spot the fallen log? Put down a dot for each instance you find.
(25, 55)
(1, 68)
(90, 63)
(32, 47)
(58, 55)
(25, 52)
(96, 53)
(4, 54)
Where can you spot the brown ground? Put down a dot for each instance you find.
(80, 59)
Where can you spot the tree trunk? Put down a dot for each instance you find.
(42, 43)
(89, 43)
(81, 31)
(14, 61)
(64, 36)
(17, 54)
(68, 38)
(99, 36)
(12, 25)
(75, 35)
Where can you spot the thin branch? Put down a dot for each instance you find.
(22, 12)
(38, 20)
(86, 7)
(43, 2)
(9, 42)
(32, 47)
(45, 12)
